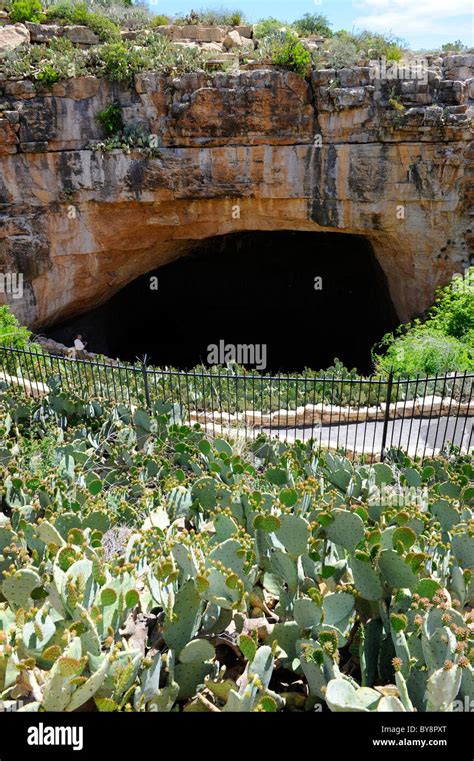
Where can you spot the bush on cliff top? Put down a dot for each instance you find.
(78, 13)
(313, 23)
(45, 64)
(26, 10)
(292, 55)
(213, 17)
(118, 61)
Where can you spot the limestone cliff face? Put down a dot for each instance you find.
(253, 150)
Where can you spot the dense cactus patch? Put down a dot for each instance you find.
(146, 567)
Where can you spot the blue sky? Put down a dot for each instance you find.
(423, 23)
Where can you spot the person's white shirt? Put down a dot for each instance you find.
(78, 345)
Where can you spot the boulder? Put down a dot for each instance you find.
(24, 89)
(41, 33)
(245, 31)
(11, 37)
(132, 34)
(213, 46)
(355, 77)
(452, 91)
(192, 32)
(459, 67)
(81, 35)
(235, 40)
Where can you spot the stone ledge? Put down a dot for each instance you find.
(326, 414)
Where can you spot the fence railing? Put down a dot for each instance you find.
(421, 416)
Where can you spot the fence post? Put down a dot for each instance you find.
(387, 415)
(145, 381)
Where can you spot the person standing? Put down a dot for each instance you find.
(79, 345)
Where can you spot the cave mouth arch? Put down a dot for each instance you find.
(308, 297)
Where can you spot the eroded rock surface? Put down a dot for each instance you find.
(251, 150)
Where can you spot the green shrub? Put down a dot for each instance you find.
(11, 332)
(26, 10)
(269, 26)
(342, 52)
(313, 23)
(162, 55)
(160, 20)
(103, 27)
(15, 336)
(125, 15)
(29, 61)
(375, 45)
(111, 119)
(213, 17)
(454, 47)
(425, 352)
(293, 55)
(443, 342)
(78, 13)
(453, 311)
(120, 61)
(48, 75)
(131, 138)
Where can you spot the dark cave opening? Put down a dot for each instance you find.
(307, 297)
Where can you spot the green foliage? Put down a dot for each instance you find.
(443, 342)
(292, 55)
(425, 352)
(11, 332)
(48, 75)
(219, 547)
(45, 64)
(346, 47)
(313, 23)
(78, 13)
(119, 61)
(342, 52)
(130, 138)
(454, 47)
(26, 10)
(111, 119)
(213, 17)
(159, 20)
(127, 15)
(269, 26)
(378, 46)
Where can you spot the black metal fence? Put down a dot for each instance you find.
(421, 416)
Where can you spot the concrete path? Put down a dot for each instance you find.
(417, 436)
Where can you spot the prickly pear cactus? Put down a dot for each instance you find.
(146, 566)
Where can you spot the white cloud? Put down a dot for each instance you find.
(409, 17)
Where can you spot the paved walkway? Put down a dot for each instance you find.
(416, 436)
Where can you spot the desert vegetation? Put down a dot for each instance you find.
(304, 44)
(146, 567)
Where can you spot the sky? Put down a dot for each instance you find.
(422, 23)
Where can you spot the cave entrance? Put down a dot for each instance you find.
(306, 297)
